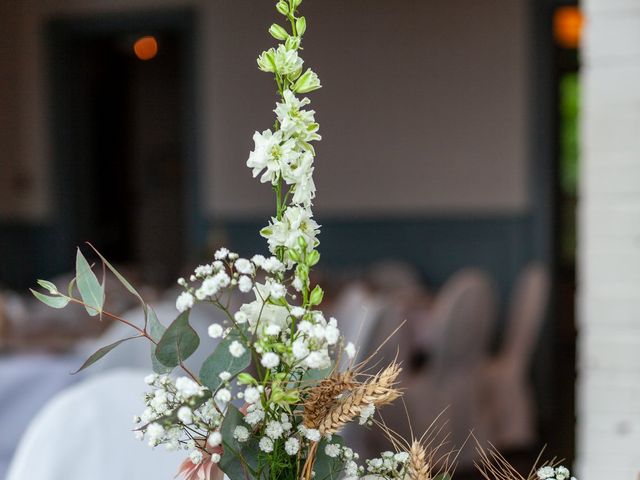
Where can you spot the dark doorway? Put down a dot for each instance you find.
(122, 138)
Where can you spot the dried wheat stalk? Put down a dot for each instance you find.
(322, 397)
(378, 390)
(419, 463)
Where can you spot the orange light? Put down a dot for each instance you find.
(146, 48)
(567, 26)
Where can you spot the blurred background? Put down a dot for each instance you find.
(447, 189)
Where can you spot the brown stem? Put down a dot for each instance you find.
(141, 331)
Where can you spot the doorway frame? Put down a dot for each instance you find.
(57, 31)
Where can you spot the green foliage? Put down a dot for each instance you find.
(239, 460)
(101, 353)
(178, 342)
(221, 360)
(155, 330)
(325, 467)
(91, 291)
(58, 301)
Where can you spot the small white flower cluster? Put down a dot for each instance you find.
(351, 469)
(389, 465)
(557, 473)
(173, 406)
(227, 270)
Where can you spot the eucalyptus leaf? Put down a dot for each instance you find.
(119, 276)
(326, 467)
(221, 360)
(239, 460)
(178, 342)
(50, 287)
(101, 353)
(53, 302)
(155, 329)
(91, 291)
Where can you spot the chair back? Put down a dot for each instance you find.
(463, 315)
(526, 313)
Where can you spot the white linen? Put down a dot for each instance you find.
(27, 382)
(85, 432)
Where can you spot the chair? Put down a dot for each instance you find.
(507, 388)
(458, 340)
(86, 432)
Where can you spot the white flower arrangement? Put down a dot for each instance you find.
(295, 401)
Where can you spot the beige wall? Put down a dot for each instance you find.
(423, 111)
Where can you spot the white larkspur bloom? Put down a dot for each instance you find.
(292, 446)
(270, 360)
(251, 395)
(223, 395)
(366, 413)
(215, 439)
(266, 445)
(215, 330)
(271, 153)
(350, 350)
(281, 60)
(332, 450)
(236, 349)
(185, 415)
(245, 284)
(296, 222)
(187, 388)
(244, 266)
(184, 302)
(294, 120)
(241, 433)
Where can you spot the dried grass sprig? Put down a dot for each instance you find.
(492, 465)
(428, 458)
